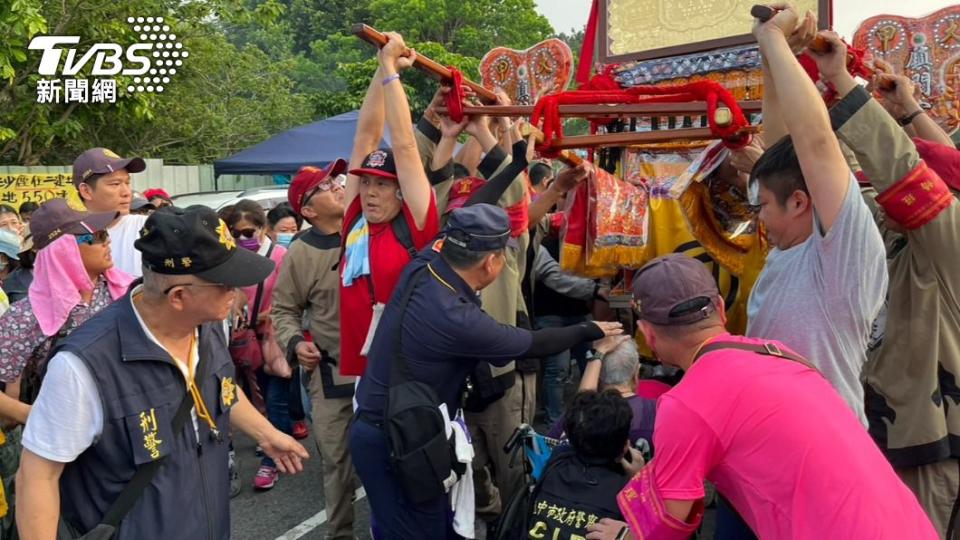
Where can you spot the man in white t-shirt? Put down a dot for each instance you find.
(102, 179)
(825, 278)
(121, 389)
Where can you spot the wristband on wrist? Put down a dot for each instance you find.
(594, 354)
(390, 78)
(908, 119)
(622, 533)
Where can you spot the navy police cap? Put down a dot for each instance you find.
(480, 227)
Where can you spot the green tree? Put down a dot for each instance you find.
(228, 99)
(465, 27)
(452, 33)
(32, 132)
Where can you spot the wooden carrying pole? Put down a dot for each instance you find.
(622, 110)
(819, 44)
(619, 139)
(423, 63)
(432, 68)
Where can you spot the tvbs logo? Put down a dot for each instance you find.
(151, 61)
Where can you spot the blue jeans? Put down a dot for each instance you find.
(556, 367)
(730, 526)
(276, 392)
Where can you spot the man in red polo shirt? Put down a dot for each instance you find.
(391, 211)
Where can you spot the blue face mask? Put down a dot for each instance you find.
(284, 239)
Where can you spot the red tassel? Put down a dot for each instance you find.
(454, 97)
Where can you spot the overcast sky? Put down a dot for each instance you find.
(847, 14)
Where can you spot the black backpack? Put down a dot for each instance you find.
(400, 228)
(420, 453)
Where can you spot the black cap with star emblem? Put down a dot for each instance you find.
(194, 241)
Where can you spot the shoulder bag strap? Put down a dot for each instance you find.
(145, 473)
(259, 298)
(399, 370)
(402, 231)
(766, 349)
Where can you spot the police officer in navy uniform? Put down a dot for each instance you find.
(444, 333)
(111, 391)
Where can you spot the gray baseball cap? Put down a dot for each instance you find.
(675, 290)
(55, 218)
(103, 161)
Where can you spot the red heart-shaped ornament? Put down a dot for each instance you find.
(927, 50)
(522, 74)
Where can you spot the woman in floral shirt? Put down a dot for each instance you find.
(74, 279)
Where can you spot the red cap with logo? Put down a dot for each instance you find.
(308, 179)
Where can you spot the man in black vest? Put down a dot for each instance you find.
(148, 384)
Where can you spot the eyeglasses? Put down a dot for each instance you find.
(327, 185)
(99, 237)
(249, 233)
(223, 287)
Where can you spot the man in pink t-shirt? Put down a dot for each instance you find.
(758, 421)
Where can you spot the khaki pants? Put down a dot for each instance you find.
(936, 487)
(494, 480)
(528, 410)
(331, 423)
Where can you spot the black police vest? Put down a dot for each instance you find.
(141, 388)
(573, 494)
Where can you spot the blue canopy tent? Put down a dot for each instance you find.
(314, 144)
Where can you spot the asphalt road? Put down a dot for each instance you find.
(289, 510)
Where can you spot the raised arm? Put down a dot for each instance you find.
(449, 131)
(395, 57)
(913, 115)
(773, 126)
(368, 135)
(821, 161)
(567, 180)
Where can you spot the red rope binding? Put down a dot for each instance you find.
(856, 65)
(547, 108)
(454, 97)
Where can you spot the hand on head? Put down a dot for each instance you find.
(610, 342)
(610, 328)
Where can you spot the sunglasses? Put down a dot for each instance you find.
(249, 233)
(99, 237)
